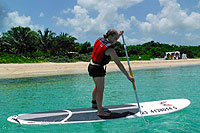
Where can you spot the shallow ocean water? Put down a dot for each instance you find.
(74, 91)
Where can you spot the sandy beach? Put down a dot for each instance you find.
(9, 71)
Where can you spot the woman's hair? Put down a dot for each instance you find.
(110, 32)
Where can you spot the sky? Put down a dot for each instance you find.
(165, 21)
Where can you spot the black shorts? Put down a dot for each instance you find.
(96, 71)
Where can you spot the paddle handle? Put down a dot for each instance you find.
(130, 70)
(131, 73)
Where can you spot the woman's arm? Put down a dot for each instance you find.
(114, 56)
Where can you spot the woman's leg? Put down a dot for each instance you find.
(99, 89)
(94, 93)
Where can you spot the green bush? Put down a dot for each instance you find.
(58, 59)
(38, 54)
(135, 57)
(145, 57)
(84, 57)
(7, 58)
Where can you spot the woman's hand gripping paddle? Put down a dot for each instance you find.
(131, 73)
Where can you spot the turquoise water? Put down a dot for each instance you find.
(74, 91)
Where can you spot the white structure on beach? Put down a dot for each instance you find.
(173, 55)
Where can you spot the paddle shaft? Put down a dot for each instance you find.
(131, 73)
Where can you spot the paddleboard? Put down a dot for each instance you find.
(82, 115)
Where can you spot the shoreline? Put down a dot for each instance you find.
(12, 71)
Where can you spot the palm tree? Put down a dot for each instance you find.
(46, 40)
(20, 40)
(84, 47)
(65, 43)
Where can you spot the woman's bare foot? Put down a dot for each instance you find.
(103, 113)
(94, 106)
(104, 109)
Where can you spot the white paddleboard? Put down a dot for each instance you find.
(82, 115)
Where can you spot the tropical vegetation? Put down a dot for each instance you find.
(23, 45)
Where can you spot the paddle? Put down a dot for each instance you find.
(131, 73)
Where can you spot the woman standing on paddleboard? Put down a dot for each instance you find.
(103, 51)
